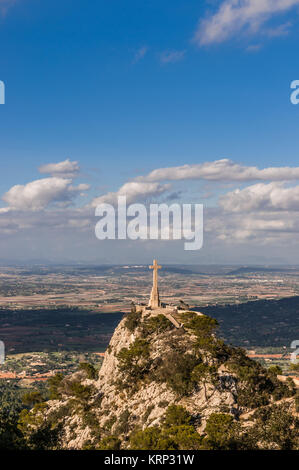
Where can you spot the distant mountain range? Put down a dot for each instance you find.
(42, 267)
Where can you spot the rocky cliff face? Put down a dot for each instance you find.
(149, 366)
(146, 401)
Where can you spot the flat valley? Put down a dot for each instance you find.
(75, 309)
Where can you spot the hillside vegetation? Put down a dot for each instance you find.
(162, 388)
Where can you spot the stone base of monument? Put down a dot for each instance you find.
(169, 311)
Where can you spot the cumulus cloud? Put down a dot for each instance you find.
(39, 194)
(222, 170)
(134, 191)
(260, 213)
(255, 228)
(262, 197)
(65, 169)
(257, 213)
(264, 213)
(57, 220)
(235, 16)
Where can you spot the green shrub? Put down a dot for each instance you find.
(11, 437)
(176, 370)
(61, 412)
(176, 433)
(163, 404)
(45, 437)
(200, 325)
(109, 443)
(223, 433)
(89, 369)
(185, 437)
(277, 428)
(151, 439)
(176, 416)
(123, 423)
(157, 325)
(247, 397)
(80, 391)
(133, 320)
(255, 385)
(282, 390)
(204, 373)
(135, 359)
(33, 417)
(174, 438)
(54, 384)
(32, 397)
(89, 419)
(110, 422)
(275, 370)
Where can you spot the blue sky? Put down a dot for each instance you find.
(124, 88)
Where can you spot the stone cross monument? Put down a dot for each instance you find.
(155, 300)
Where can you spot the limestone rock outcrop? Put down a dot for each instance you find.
(149, 365)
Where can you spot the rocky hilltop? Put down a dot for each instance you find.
(166, 384)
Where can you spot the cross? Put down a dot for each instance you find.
(155, 300)
(155, 267)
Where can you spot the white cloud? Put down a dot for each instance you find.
(38, 194)
(222, 170)
(262, 197)
(65, 169)
(134, 191)
(281, 30)
(168, 57)
(260, 228)
(56, 220)
(260, 213)
(140, 54)
(236, 16)
(265, 214)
